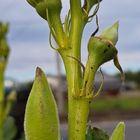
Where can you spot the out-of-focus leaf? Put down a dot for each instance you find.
(22, 137)
(10, 129)
(96, 134)
(119, 132)
(41, 116)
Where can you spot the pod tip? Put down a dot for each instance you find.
(38, 71)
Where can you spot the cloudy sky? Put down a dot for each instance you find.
(28, 36)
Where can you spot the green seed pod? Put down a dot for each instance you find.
(101, 50)
(54, 5)
(41, 6)
(119, 132)
(50, 10)
(41, 116)
(41, 9)
(34, 2)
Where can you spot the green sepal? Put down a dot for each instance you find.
(41, 115)
(111, 33)
(96, 134)
(119, 132)
(118, 66)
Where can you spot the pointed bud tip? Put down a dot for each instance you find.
(116, 24)
(39, 72)
(121, 123)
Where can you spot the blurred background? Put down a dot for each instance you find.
(28, 40)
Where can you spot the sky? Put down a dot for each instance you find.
(28, 37)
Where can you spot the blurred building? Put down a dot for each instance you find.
(10, 84)
(111, 84)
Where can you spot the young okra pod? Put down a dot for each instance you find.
(41, 116)
(100, 50)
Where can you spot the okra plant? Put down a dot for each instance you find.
(41, 117)
(6, 123)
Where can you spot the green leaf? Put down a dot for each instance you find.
(119, 132)
(96, 134)
(22, 136)
(41, 116)
(10, 129)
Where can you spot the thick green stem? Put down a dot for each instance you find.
(78, 108)
(73, 72)
(75, 42)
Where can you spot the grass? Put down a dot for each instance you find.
(115, 103)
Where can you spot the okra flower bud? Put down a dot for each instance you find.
(50, 10)
(111, 34)
(41, 6)
(101, 49)
(41, 116)
(119, 132)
